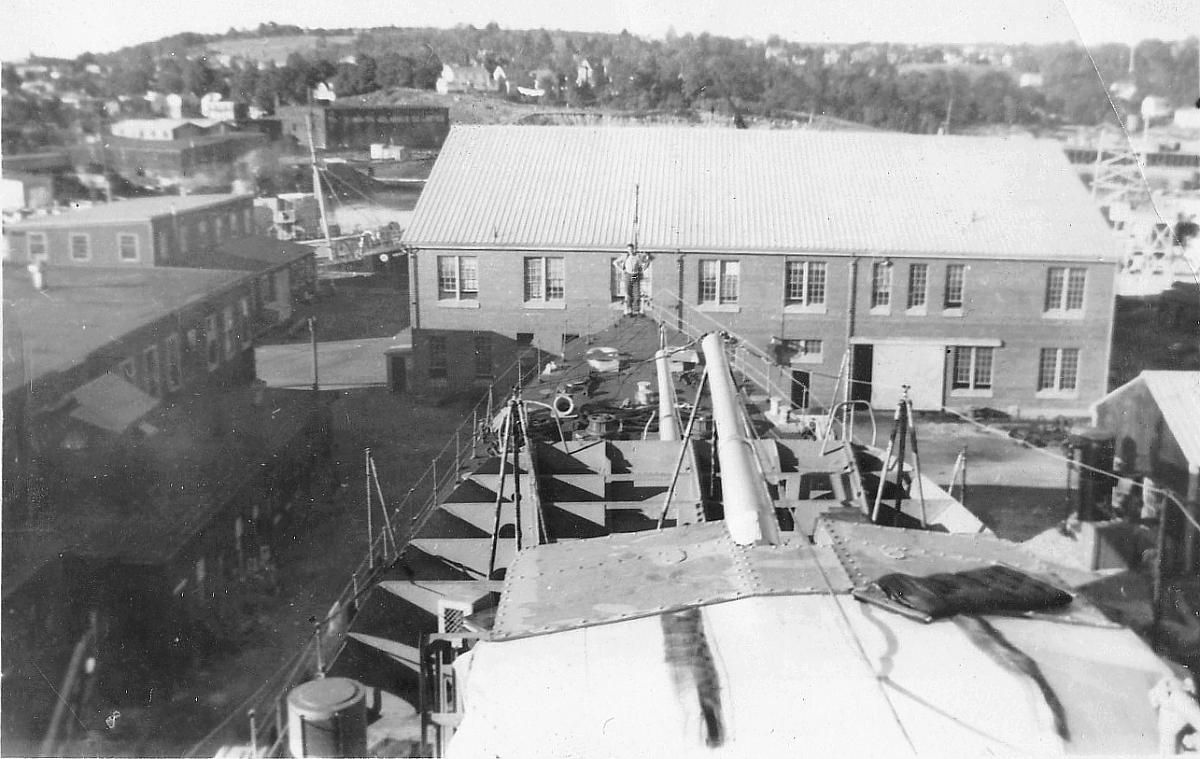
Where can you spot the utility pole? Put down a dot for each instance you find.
(847, 392)
(312, 334)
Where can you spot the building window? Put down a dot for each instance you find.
(483, 358)
(545, 280)
(81, 247)
(616, 281)
(803, 350)
(719, 280)
(458, 278)
(881, 284)
(127, 247)
(1064, 289)
(35, 244)
(174, 360)
(972, 368)
(229, 334)
(203, 233)
(212, 341)
(1058, 370)
(918, 284)
(150, 378)
(955, 276)
(244, 321)
(219, 227)
(247, 221)
(267, 285)
(437, 357)
(805, 283)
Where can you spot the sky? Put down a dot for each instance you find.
(67, 28)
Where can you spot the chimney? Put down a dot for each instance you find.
(37, 274)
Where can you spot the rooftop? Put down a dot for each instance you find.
(126, 211)
(1178, 397)
(86, 308)
(252, 253)
(768, 191)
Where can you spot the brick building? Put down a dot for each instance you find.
(196, 231)
(145, 476)
(168, 162)
(346, 125)
(975, 270)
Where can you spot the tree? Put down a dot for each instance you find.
(394, 70)
(11, 79)
(197, 78)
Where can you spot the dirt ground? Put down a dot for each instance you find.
(1015, 490)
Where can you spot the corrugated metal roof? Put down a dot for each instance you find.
(1178, 397)
(759, 191)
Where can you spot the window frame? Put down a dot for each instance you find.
(616, 281)
(1058, 302)
(137, 247)
(805, 350)
(800, 291)
(881, 287)
(459, 294)
(1056, 386)
(439, 363)
(87, 246)
(537, 283)
(721, 299)
(913, 307)
(174, 362)
(45, 245)
(949, 302)
(974, 384)
(229, 340)
(212, 341)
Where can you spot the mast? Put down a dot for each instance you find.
(316, 175)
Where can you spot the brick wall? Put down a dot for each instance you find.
(1002, 309)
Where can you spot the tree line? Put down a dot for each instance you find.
(905, 88)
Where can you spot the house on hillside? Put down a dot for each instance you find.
(975, 271)
(470, 78)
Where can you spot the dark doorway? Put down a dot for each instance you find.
(864, 359)
(800, 386)
(397, 377)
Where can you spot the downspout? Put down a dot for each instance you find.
(847, 391)
(679, 292)
(413, 289)
(749, 513)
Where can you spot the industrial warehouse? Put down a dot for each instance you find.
(975, 270)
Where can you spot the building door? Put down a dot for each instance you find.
(800, 386)
(864, 362)
(397, 377)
